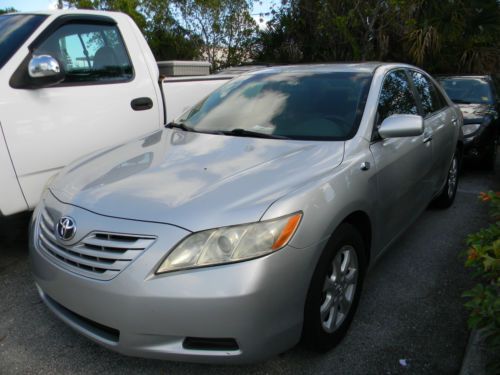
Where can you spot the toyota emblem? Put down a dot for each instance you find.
(66, 228)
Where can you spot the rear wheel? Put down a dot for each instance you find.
(335, 289)
(447, 196)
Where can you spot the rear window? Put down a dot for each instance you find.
(305, 105)
(14, 31)
(468, 90)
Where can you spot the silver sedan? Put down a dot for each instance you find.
(249, 223)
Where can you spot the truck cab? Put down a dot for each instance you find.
(73, 82)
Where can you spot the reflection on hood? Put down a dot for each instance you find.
(194, 180)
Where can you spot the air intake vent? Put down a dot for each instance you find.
(202, 343)
(100, 255)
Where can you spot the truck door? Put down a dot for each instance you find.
(107, 96)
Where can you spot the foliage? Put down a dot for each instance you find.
(483, 256)
(441, 36)
(7, 10)
(225, 27)
(167, 39)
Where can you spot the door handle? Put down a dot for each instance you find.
(427, 136)
(454, 122)
(141, 104)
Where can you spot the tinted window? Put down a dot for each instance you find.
(14, 30)
(89, 53)
(430, 97)
(468, 90)
(296, 105)
(396, 97)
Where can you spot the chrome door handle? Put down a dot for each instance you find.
(427, 139)
(454, 121)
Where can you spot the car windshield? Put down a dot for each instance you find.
(304, 106)
(14, 30)
(468, 90)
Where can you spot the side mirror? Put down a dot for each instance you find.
(44, 70)
(396, 126)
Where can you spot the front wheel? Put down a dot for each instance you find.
(335, 289)
(447, 196)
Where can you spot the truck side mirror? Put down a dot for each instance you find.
(44, 70)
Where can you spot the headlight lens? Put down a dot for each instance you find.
(470, 128)
(231, 244)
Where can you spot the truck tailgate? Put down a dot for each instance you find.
(184, 92)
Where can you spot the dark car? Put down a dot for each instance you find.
(477, 98)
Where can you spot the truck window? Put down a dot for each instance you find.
(89, 53)
(14, 30)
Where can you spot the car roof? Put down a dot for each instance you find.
(355, 67)
(458, 76)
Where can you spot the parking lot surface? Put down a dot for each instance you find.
(410, 319)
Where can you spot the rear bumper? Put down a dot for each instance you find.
(258, 304)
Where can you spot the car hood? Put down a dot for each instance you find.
(193, 180)
(475, 113)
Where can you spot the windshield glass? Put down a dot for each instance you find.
(306, 105)
(14, 30)
(468, 90)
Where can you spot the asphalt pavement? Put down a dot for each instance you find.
(410, 320)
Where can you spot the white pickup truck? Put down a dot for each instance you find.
(73, 82)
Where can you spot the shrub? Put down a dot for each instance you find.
(483, 257)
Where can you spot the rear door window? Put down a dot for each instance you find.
(430, 97)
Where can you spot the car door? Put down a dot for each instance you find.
(440, 125)
(403, 165)
(46, 128)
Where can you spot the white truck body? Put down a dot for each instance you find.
(42, 129)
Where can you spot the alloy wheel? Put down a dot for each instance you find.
(339, 289)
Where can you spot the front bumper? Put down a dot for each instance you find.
(258, 304)
(478, 145)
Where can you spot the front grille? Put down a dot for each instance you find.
(100, 255)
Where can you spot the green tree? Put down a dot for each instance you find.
(441, 36)
(167, 39)
(226, 28)
(7, 10)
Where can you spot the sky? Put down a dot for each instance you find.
(260, 7)
(28, 5)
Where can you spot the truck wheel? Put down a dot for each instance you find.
(447, 196)
(335, 289)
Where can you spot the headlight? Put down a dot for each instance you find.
(470, 128)
(231, 244)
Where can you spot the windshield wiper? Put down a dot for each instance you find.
(460, 101)
(179, 125)
(248, 133)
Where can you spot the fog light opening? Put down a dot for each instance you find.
(202, 343)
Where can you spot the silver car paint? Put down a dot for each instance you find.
(171, 175)
(258, 302)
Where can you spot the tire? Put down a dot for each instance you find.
(447, 196)
(324, 330)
